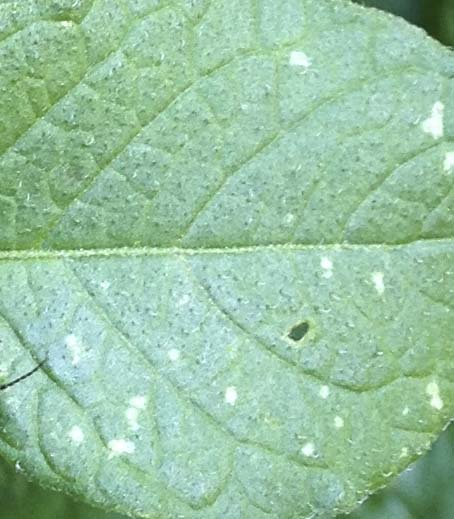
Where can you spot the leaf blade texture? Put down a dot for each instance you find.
(229, 226)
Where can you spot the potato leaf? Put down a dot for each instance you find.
(229, 226)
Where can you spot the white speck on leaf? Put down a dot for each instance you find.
(404, 452)
(327, 266)
(378, 280)
(299, 59)
(137, 404)
(139, 401)
(132, 415)
(76, 434)
(289, 218)
(120, 447)
(74, 347)
(3, 371)
(173, 355)
(308, 450)
(324, 392)
(448, 164)
(433, 391)
(105, 285)
(231, 395)
(184, 300)
(338, 422)
(405, 411)
(434, 125)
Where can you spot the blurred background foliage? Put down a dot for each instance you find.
(425, 491)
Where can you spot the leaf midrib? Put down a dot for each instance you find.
(135, 252)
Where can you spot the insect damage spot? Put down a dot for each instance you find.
(298, 332)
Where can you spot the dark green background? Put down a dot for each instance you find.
(424, 492)
(435, 16)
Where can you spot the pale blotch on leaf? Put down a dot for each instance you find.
(75, 349)
(324, 392)
(299, 59)
(434, 124)
(433, 391)
(404, 452)
(76, 434)
(120, 447)
(184, 300)
(378, 281)
(137, 404)
(3, 371)
(308, 450)
(448, 164)
(405, 411)
(173, 355)
(338, 422)
(231, 395)
(327, 266)
(139, 401)
(289, 218)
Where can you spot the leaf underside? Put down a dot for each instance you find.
(229, 225)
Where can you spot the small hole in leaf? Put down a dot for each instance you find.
(299, 331)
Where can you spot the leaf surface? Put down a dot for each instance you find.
(229, 226)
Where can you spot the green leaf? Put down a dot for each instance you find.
(229, 225)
